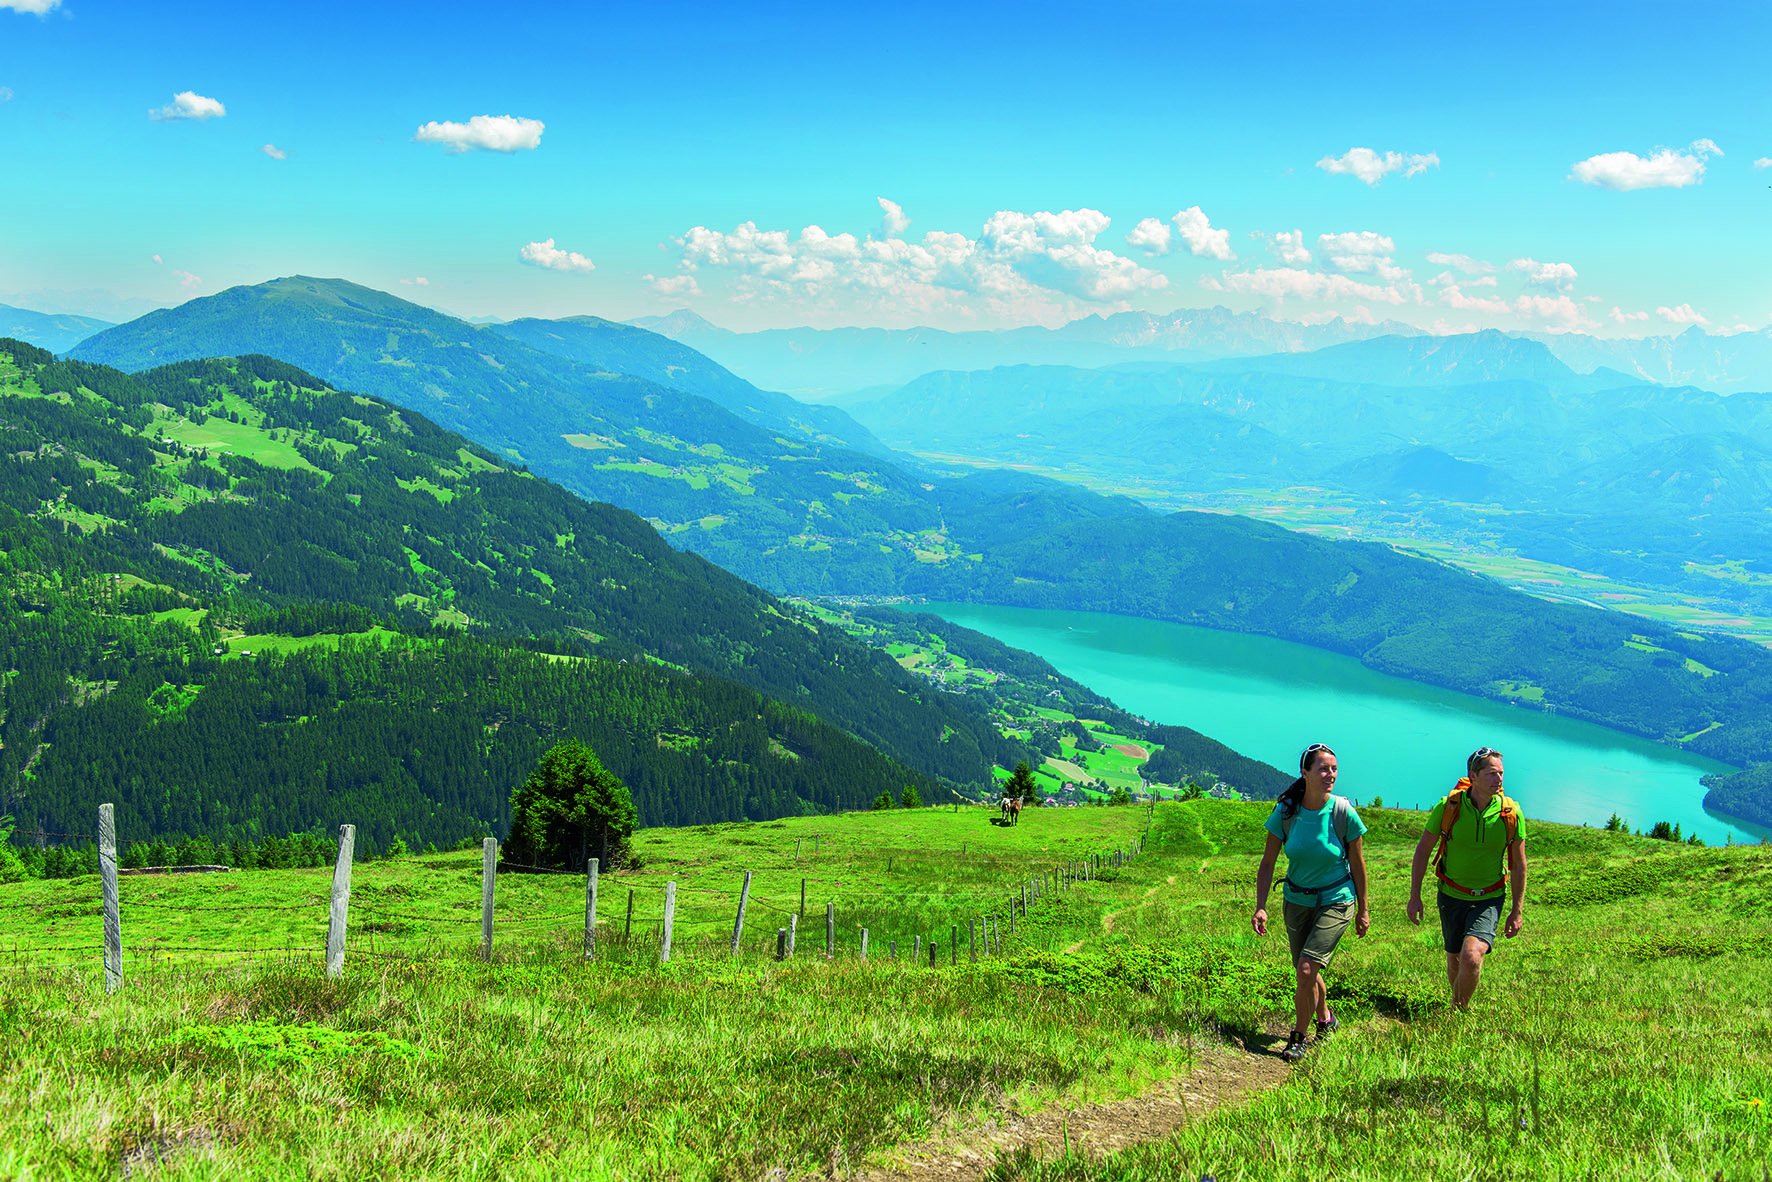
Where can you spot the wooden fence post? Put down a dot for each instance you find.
(627, 930)
(341, 901)
(488, 874)
(744, 896)
(864, 943)
(972, 942)
(107, 871)
(793, 932)
(781, 943)
(802, 898)
(954, 943)
(892, 949)
(797, 842)
(591, 868)
(830, 931)
(932, 952)
(916, 949)
(664, 952)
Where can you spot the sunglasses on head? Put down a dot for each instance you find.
(1312, 750)
(1482, 753)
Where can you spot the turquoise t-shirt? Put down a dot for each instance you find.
(1313, 856)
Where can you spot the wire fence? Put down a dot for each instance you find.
(636, 911)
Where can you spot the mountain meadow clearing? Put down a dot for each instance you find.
(1623, 1035)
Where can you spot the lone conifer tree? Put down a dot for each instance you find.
(571, 808)
(1022, 783)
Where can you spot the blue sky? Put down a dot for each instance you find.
(1520, 166)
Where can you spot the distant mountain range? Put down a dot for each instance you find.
(834, 363)
(768, 492)
(56, 332)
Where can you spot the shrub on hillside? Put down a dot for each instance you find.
(569, 809)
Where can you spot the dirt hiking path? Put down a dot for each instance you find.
(1221, 1075)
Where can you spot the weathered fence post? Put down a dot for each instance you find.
(954, 943)
(802, 898)
(793, 932)
(916, 949)
(892, 949)
(744, 896)
(864, 943)
(107, 870)
(781, 943)
(932, 952)
(972, 942)
(341, 901)
(797, 842)
(830, 931)
(591, 869)
(664, 952)
(488, 873)
(627, 931)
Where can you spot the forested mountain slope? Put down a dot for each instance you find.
(147, 518)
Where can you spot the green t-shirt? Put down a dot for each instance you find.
(1476, 849)
(1314, 858)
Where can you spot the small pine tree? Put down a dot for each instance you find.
(1615, 824)
(1121, 797)
(910, 798)
(884, 801)
(569, 809)
(1022, 784)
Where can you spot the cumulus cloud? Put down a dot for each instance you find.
(34, 7)
(1685, 314)
(1196, 230)
(893, 222)
(187, 280)
(5, 94)
(1620, 316)
(188, 104)
(1288, 246)
(1763, 162)
(1360, 251)
(416, 281)
(1151, 236)
(1288, 283)
(274, 152)
(1371, 167)
(158, 259)
(1462, 263)
(675, 286)
(1556, 276)
(1667, 168)
(1042, 266)
(495, 133)
(546, 254)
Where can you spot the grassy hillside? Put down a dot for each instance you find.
(155, 530)
(1620, 1036)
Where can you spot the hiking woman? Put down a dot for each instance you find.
(1482, 838)
(1325, 883)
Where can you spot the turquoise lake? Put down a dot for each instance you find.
(1395, 738)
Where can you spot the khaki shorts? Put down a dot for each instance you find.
(1313, 932)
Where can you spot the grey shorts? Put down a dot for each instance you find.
(1313, 932)
(1468, 917)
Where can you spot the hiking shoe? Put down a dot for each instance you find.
(1295, 1047)
(1325, 1029)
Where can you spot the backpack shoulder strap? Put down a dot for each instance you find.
(1510, 817)
(1339, 820)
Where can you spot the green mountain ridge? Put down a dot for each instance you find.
(155, 526)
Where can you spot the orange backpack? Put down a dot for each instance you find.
(1510, 817)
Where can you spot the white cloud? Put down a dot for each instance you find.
(546, 254)
(676, 286)
(158, 259)
(1288, 246)
(5, 94)
(416, 281)
(1684, 314)
(1763, 162)
(1360, 251)
(1620, 316)
(274, 152)
(495, 133)
(1285, 283)
(1196, 230)
(894, 222)
(33, 7)
(188, 104)
(1462, 263)
(1668, 168)
(187, 280)
(1556, 276)
(1150, 235)
(1369, 166)
(1022, 267)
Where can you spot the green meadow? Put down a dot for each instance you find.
(1622, 1035)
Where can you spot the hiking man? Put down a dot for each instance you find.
(1481, 835)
